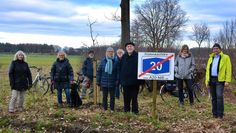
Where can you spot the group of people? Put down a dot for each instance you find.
(121, 70)
(218, 76)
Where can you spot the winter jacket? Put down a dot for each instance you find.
(62, 71)
(87, 68)
(20, 75)
(103, 78)
(224, 68)
(129, 70)
(184, 67)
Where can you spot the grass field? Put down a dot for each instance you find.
(42, 115)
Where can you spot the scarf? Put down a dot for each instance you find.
(108, 67)
(184, 55)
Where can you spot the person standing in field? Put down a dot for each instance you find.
(20, 80)
(128, 78)
(107, 78)
(62, 76)
(184, 67)
(119, 54)
(87, 70)
(218, 76)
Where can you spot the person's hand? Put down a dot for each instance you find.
(226, 84)
(71, 82)
(117, 82)
(207, 87)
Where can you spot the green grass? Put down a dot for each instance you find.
(4, 121)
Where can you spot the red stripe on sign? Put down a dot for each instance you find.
(157, 64)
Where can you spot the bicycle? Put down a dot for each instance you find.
(40, 81)
(170, 87)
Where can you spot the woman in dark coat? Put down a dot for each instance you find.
(62, 76)
(107, 77)
(20, 80)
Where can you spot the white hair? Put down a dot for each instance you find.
(18, 53)
(120, 50)
(61, 52)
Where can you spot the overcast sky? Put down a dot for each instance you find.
(64, 22)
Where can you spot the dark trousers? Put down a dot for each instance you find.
(189, 83)
(131, 94)
(217, 93)
(117, 93)
(105, 92)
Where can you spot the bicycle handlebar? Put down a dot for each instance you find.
(34, 67)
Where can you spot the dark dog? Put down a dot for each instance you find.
(75, 98)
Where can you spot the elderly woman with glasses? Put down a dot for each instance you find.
(20, 80)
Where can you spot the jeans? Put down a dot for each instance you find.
(105, 92)
(217, 93)
(66, 86)
(14, 95)
(189, 83)
(131, 94)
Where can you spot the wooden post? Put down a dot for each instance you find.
(94, 81)
(154, 97)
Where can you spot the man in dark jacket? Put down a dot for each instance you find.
(62, 76)
(128, 77)
(87, 70)
(107, 78)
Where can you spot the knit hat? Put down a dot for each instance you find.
(216, 45)
(129, 43)
(110, 49)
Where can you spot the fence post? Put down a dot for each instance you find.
(94, 81)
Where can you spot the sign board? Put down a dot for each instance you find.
(156, 66)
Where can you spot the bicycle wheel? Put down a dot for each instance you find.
(41, 86)
(49, 86)
(162, 92)
(197, 91)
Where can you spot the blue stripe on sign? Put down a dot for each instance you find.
(148, 63)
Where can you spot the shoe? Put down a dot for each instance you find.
(20, 109)
(11, 111)
(221, 117)
(215, 116)
(181, 104)
(59, 105)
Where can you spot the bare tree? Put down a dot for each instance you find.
(160, 22)
(227, 36)
(94, 38)
(201, 33)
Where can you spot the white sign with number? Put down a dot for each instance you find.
(156, 66)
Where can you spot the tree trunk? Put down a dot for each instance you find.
(125, 22)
